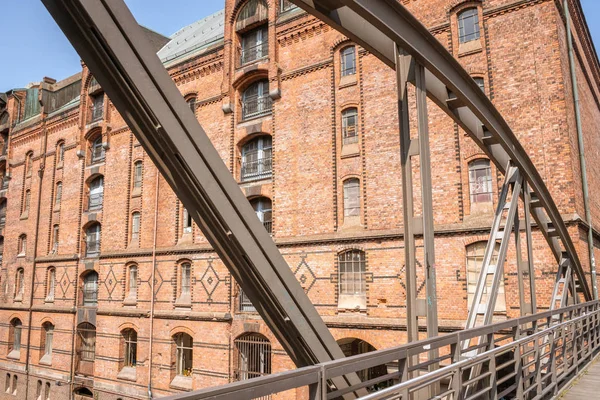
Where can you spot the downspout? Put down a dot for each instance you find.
(584, 180)
(35, 245)
(152, 283)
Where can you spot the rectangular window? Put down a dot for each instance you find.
(185, 279)
(130, 348)
(480, 181)
(133, 272)
(49, 339)
(187, 221)
(51, 284)
(351, 198)
(137, 175)
(348, 61)
(245, 303)
(475, 255)
(135, 227)
(468, 25)
(58, 196)
(55, 239)
(97, 112)
(352, 283)
(255, 45)
(184, 354)
(350, 126)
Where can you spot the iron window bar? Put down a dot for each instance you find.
(95, 201)
(92, 247)
(257, 169)
(249, 54)
(256, 106)
(245, 304)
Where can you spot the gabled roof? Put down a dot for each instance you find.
(194, 37)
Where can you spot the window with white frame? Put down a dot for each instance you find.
(130, 347)
(97, 150)
(351, 279)
(184, 353)
(187, 221)
(137, 175)
(475, 254)
(257, 159)
(468, 25)
(480, 181)
(348, 60)
(262, 207)
(135, 226)
(51, 284)
(96, 194)
(255, 45)
(256, 101)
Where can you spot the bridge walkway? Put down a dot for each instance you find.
(586, 386)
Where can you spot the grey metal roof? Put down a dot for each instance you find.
(201, 34)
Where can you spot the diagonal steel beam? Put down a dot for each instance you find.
(379, 26)
(113, 46)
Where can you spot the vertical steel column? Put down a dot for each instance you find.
(423, 224)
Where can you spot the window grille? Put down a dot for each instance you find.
(51, 284)
(58, 196)
(475, 254)
(49, 337)
(256, 101)
(3, 215)
(352, 273)
(130, 339)
(186, 271)
(253, 357)
(137, 175)
(257, 159)
(480, 181)
(348, 61)
(184, 354)
(90, 290)
(98, 153)
(468, 25)
(350, 126)
(262, 207)
(96, 195)
(255, 45)
(245, 303)
(351, 198)
(135, 226)
(97, 111)
(92, 241)
(87, 342)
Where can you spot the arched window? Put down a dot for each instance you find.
(186, 221)
(60, 153)
(253, 12)
(350, 126)
(47, 339)
(15, 385)
(14, 340)
(28, 164)
(354, 346)
(475, 254)
(97, 150)
(86, 337)
(253, 356)
(255, 45)
(286, 5)
(185, 283)
(96, 193)
(22, 245)
(351, 197)
(47, 391)
(137, 175)
(132, 277)
(38, 392)
(135, 227)
(84, 393)
(257, 159)
(480, 181)
(348, 61)
(92, 240)
(481, 83)
(97, 110)
(262, 207)
(352, 283)
(7, 383)
(468, 25)
(90, 289)
(50, 284)
(19, 284)
(58, 195)
(256, 101)
(26, 203)
(184, 353)
(129, 347)
(55, 231)
(191, 102)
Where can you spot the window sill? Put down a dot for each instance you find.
(254, 118)
(46, 359)
(59, 165)
(350, 150)
(184, 301)
(24, 216)
(137, 192)
(56, 208)
(256, 61)
(130, 301)
(468, 48)
(49, 300)
(182, 382)
(14, 355)
(128, 374)
(21, 255)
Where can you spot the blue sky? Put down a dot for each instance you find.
(42, 50)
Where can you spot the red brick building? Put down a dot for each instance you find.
(307, 123)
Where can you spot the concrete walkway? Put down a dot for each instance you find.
(587, 386)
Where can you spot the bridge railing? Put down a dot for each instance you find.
(524, 358)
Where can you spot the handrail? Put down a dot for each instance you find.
(526, 331)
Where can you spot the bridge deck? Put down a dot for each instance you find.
(587, 386)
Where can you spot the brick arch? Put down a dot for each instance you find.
(14, 316)
(474, 155)
(349, 104)
(93, 133)
(456, 6)
(92, 177)
(128, 325)
(238, 6)
(248, 138)
(245, 80)
(181, 329)
(341, 43)
(47, 319)
(189, 95)
(350, 176)
(475, 239)
(348, 247)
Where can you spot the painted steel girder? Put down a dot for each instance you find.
(113, 46)
(379, 26)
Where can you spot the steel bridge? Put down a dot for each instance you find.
(525, 358)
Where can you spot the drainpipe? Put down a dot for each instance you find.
(35, 245)
(152, 284)
(584, 180)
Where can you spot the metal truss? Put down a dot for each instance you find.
(113, 46)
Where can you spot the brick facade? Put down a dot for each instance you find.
(522, 57)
